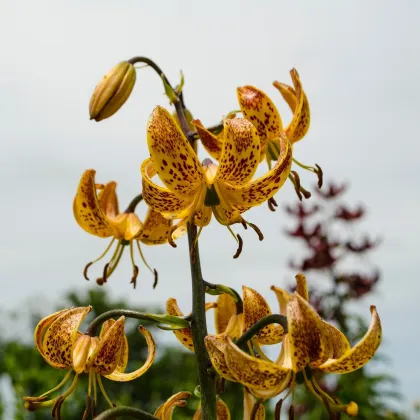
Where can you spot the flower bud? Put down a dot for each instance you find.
(112, 91)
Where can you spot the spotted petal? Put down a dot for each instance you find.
(259, 375)
(151, 352)
(106, 356)
(241, 152)
(42, 326)
(86, 209)
(283, 297)
(155, 229)
(361, 353)
(298, 102)
(259, 109)
(173, 157)
(59, 339)
(338, 341)
(255, 308)
(122, 364)
(309, 342)
(216, 348)
(165, 411)
(211, 143)
(260, 190)
(160, 199)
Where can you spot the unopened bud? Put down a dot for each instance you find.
(112, 91)
(81, 352)
(352, 409)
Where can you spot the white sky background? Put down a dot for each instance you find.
(359, 65)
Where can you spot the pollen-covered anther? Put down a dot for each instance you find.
(300, 191)
(156, 274)
(272, 204)
(257, 230)
(85, 270)
(240, 246)
(134, 278)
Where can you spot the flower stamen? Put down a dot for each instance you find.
(101, 387)
(316, 170)
(294, 177)
(85, 271)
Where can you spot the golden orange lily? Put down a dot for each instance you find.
(99, 215)
(310, 344)
(63, 346)
(260, 110)
(193, 191)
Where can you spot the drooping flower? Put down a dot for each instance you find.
(260, 110)
(193, 191)
(310, 344)
(63, 346)
(99, 215)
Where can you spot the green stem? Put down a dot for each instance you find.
(198, 316)
(114, 313)
(134, 413)
(132, 206)
(199, 329)
(259, 325)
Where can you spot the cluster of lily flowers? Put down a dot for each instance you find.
(193, 192)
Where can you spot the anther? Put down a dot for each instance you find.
(156, 278)
(277, 410)
(240, 246)
(257, 230)
(291, 412)
(85, 271)
(320, 175)
(135, 274)
(255, 410)
(170, 239)
(272, 204)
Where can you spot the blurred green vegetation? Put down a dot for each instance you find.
(174, 370)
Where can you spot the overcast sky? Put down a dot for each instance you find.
(359, 65)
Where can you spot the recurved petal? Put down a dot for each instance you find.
(165, 411)
(302, 286)
(256, 374)
(216, 347)
(260, 190)
(155, 229)
(106, 356)
(211, 143)
(122, 364)
(86, 209)
(60, 337)
(241, 152)
(173, 157)
(283, 297)
(160, 199)
(108, 200)
(255, 308)
(184, 335)
(119, 376)
(339, 343)
(226, 308)
(260, 110)
(42, 326)
(299, 125)
(361, 353)
(249, 402)
(309, 341)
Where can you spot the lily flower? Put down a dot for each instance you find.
(64, 347)
(194, 191)
(260, 110)
(99, 215)
(310, 345)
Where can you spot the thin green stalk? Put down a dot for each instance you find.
(114, 313)
(134, 413)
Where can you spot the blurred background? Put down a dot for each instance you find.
(358, 62)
